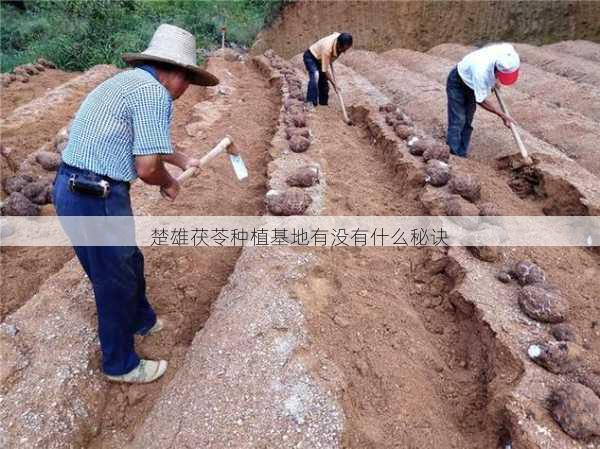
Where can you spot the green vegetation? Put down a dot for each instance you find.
(77, 34)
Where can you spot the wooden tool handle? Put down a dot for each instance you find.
(221, 146)
(513, 128)
(341, 100)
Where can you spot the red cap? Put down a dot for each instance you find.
(507, 78)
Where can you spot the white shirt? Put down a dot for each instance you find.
(477, 69)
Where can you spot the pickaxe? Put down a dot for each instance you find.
(224, 145)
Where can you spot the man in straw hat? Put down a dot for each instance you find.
(470, 83)
(121, 132)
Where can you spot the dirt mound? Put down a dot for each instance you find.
(421, 25)
(583, 49)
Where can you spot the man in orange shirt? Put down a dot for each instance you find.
(318, 60)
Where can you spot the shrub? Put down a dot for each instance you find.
(77, 34)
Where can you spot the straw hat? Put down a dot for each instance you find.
(174, 45)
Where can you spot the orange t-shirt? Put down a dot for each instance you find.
(325, 50)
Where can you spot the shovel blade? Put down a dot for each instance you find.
(238, 166)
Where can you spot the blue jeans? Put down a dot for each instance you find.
(317, 89)
(461, 110)
(116, 272)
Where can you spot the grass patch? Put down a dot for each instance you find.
(77, 34)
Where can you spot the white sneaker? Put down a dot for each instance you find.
(158, 326)
(147, 371)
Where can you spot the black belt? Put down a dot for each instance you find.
(89, 183)
(66, 168)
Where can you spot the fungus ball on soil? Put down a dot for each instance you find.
(294, 83)
(293, 201)
(544, 303)
(296, 110)
(438, 173)
(48, 160)
(488, 210)
(436, 151)
(456, 206)
(503, 277)
(292, 131)
(296, 93)
(416, 146)
(306, 176)
(564, 332)
(486, 253)
(61, 139)
(388, 107)
(466, 186)
(391, 120)
(558, 357)
(290, 103)
(577, 410)
(18, 204)
(299, 144)
(297, 120)
(403, 131)
(38, 192)
(16, 183)
(527, 273)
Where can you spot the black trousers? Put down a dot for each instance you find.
(318, 86)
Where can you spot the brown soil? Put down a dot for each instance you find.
(17, 93)
(421, 25)
(583, 49)
(415, 373)
(414, 364)
(182, 283)
(31, 263)
(24, 269)
(578, 69)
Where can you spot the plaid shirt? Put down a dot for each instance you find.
(126, 116)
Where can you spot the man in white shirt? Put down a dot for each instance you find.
(471, 83)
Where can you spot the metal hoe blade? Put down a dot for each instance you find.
(238, 166)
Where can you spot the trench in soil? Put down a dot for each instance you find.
(417, 372)
(183, 282)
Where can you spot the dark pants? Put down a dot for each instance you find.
(317, 90)
(461, 110)
(116, 272)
